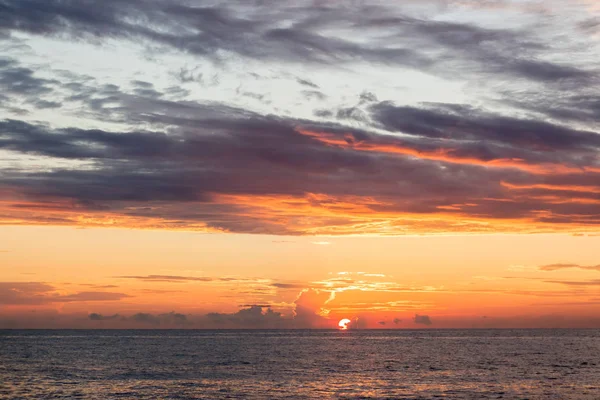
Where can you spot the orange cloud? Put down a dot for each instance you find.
(320, 214)
(441, 154)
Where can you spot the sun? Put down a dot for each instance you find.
(343, 324)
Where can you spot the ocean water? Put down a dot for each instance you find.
(188, 364)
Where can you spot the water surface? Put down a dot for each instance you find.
(189, 364)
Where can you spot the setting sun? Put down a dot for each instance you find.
(343, 324)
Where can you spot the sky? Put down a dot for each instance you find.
(288, 164)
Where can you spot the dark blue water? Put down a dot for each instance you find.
(168, 364)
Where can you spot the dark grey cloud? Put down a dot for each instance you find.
(196, 164)
(218, 28)
(100, 317)
(171, 319)
(174, 318)
(367, 97)
(495, 132)
(18, 80)
(208, 30)
(43, 104)
(572, 107)
(422, 319)
(306, 82)
(251, 317)
(52, 319)
(190, 155)
(494, 52)
(546, 71)
(145, 318)
(21, 85)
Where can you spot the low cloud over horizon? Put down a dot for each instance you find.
(369, 300)
(265, 318)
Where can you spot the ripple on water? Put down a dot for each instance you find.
(291, 364)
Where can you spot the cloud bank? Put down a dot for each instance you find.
(483, 128)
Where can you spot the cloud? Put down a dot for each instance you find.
(47, 319)
(251, 317)
(171, 319)
(89, 296)
(167, 278)
(494, 134)
(38, 293)
(256, 305)
(215, 29)
(184, 279)
(100, 317)
(289, 285)
(21, 81)
(230, 197)
(556, 267)
(310, 308)
(422, 319)
(160, 291)
(313, 37)
(161, 154)
(593, 282)
(101, 286)
(306, 82)
(174, 318)
(145, 318)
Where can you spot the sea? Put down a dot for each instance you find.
(300, 364)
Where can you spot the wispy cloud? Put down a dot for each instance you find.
(166, 278)
(38, 293)
(593, 282)
(183, 279)
(559, 266)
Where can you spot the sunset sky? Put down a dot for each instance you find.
(278, 164)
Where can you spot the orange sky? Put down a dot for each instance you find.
(378, 282)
